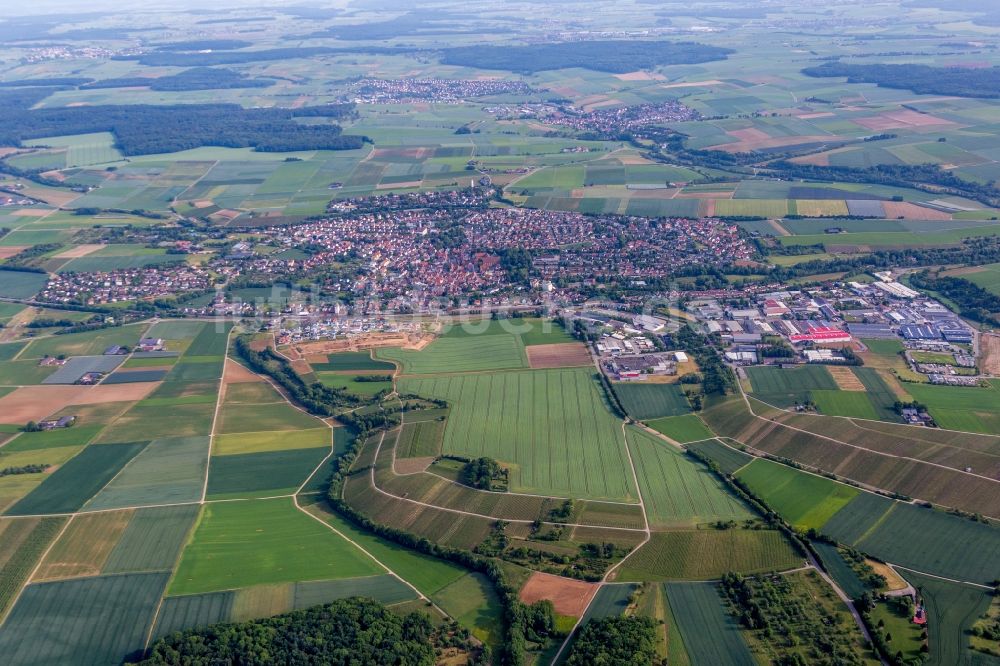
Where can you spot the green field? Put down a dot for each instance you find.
(711, 635)
(924, 539)
(804, 500)
(273, 543)
(727, 458)
(357, 361)
(259, 442)
(460, 354)
(153, 540)
(785, 387)
(552, 426)
(166, 471)
(644, 401)
(89, 343)
(420, 439)
(951, 612)
(263, 417)
(261, 474)
(844, 403)
(683, 429)
(676, 490)
(964, 408)
(98, 620)
(709, 553)
(70, 486)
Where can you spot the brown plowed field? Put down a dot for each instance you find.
(561, 355)
(570, 597)
(31, 403)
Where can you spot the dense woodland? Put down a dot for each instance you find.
(615, 640)
(348, 631)
(196, 78)
(142, 129)
(615, 56)
(922, 79)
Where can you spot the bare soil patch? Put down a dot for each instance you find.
(411, 465)
(696, 84)
(10, 251)
(893, 580)
(845, 378)
(32, 403)
(900, 119)
(570, 597)
(910, 211)
(560, 355)
(989, 343)
(78, 251)
(748, 144)
(640, 76)
(234, 373)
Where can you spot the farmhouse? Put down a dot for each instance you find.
(150, 344)
(53, 423)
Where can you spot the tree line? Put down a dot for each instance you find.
(921, 79)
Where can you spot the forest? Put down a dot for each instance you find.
(921, 79)
(196, 78)
(147, 129)
(614, 56)
(348, 631)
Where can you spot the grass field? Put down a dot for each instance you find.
(804, 500)
(353, 361)
(251, 418)
(552, 426)
(264, 474)
(961, 407)
(460, 354)
(144, 421)
(711, 635)
(260, 442)
(709, 553)
(685, 428)
(676, 490)
(272, 541)
(336, 380)
(784, 388)
(844, 403)
(905, 634)
(651, 401)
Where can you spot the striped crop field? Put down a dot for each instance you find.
(551, 426)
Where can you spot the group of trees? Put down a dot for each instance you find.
(485, 474)
(921, 79)
(347, 631)
(196, 78)
(615, 56)
(24, 469)
(716, 377)
(616, 640)
(141, 129)
(974, 302)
